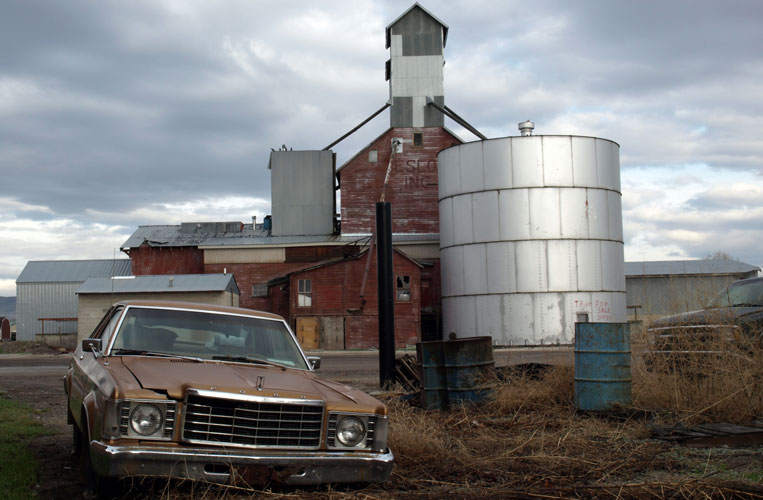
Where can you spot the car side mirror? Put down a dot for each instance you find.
(92, 345)
(315, 362)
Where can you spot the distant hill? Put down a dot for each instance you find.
(8, 307)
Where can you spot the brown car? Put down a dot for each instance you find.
(222, 394)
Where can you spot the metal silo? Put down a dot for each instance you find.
(531, 237)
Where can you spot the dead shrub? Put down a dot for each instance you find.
(710, 376)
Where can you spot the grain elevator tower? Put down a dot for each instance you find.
(416, 40)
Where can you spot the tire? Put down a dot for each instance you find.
(96, 486)
(76, 441)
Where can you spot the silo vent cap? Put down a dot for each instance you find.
(526, 128)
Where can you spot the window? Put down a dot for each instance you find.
(260, 290)
(418, 138)
(373, 156)
(403, 288)
(109, 328)
(305, 293)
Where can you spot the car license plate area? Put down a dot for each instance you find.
(255, 475)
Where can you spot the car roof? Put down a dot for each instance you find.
(746, 280)
(197, 306)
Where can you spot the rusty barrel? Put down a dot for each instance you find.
(602, 365)
(434, 382)
(469, 365)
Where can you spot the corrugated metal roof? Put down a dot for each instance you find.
(687, 267)
(49, 271)
(161, 283)
(416, 4)
(173, 236)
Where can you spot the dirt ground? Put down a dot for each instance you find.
(59, 474)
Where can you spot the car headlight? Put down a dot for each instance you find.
(146, 419)
(350, 431)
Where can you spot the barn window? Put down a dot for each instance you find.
(260, 290)
(305, 293)
(404, 288)
(418, 138)
(373, 156)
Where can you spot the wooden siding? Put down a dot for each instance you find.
(336, 292)
(254, 274)
(148, 260)
(318, 253)
(412, 189)
(243, 255)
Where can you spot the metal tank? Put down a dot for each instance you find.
(303, 194)
(531, 237)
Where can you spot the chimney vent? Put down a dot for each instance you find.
(526, 128)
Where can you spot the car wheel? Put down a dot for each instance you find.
(76, 441)
(96, 486)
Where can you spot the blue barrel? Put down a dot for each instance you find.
(602, 365)
(434, 382)
(469, 363)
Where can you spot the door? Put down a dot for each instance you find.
(307, 332)
(332, 333)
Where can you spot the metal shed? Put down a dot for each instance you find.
(97, 295)
(45, 294)
(659, 288)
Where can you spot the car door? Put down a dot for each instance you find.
(85, 365)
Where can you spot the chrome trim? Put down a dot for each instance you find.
(124, 407)
(246, 398)
(291, 468)
(689, 327)
(206, 311)
(370, 420)
(253, 398)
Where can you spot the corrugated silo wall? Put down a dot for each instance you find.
(531, 237)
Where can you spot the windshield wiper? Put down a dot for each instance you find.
(143, 352)
(246, 359)
(744, 304)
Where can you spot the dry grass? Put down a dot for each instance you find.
(722, 385)
(528, 441)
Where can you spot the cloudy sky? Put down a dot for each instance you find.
(115, 114)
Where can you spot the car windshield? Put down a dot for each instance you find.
(207, 335)
(743, 293)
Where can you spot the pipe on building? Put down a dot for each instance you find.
(345, 136)
(386, 294)
(454, 116)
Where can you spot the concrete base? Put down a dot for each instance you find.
(67, 340)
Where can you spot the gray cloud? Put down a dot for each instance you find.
(111, 112)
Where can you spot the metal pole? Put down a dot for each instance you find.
(356, 128)
(386, 293)
(452, 115)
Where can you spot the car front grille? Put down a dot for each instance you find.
(691, 337)
(261, 423)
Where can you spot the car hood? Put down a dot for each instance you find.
(716, 316)
(176, 375)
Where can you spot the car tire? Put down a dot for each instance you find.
(76, 441)
(100, 487)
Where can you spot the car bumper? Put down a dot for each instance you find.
(238, 466)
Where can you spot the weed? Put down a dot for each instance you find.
(17, 465)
